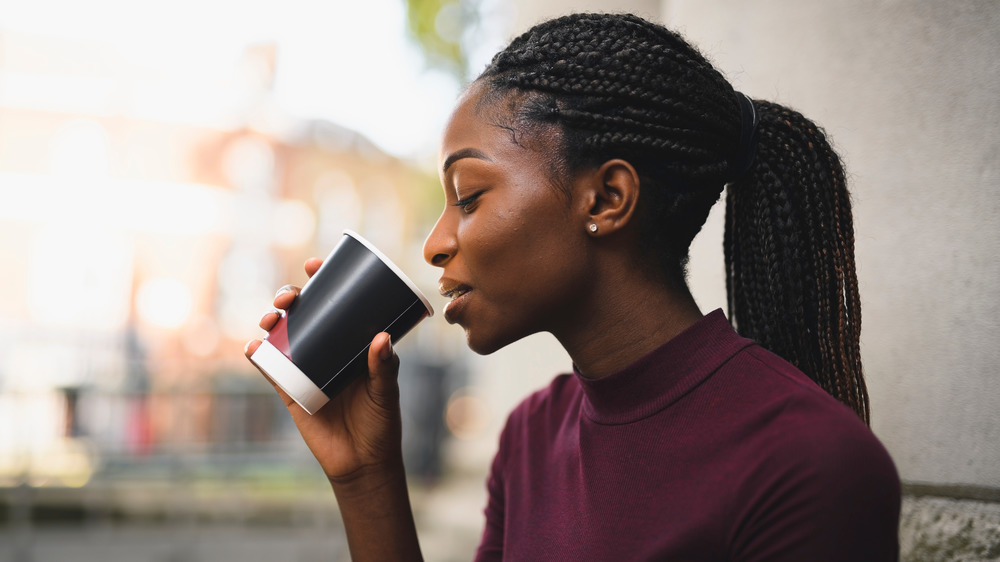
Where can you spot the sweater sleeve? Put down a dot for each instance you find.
(491, 545)
(827, 499)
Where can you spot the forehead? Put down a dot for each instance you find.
(490, 122)
(469, 124)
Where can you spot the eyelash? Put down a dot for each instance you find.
(465, 203)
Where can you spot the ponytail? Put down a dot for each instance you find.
(789, 251)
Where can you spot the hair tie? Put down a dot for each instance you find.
(749, 135)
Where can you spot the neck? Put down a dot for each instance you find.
(626, 318)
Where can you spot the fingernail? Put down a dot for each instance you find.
(246, 347)
(284, 289)
(386, 351)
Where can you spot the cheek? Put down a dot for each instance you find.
(494, 244)
(537, 254)
(528, 241)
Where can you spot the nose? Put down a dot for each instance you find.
(440, 245)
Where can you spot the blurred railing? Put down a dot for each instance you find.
(214, 455)
(236, 429)
(179, 465)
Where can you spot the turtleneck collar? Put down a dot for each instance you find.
(660, 378)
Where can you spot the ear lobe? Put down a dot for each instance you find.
(614, 196)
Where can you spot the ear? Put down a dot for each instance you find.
(610, 195)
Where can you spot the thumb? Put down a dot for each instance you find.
(383, 367)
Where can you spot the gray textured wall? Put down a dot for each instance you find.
(910, 94)
(530, 12)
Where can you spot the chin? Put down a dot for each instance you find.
(480, 347)
(485, 344)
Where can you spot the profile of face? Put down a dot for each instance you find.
(512, 246)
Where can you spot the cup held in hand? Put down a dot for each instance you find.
(321, 343)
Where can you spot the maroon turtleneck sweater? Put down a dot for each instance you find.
(709, 448)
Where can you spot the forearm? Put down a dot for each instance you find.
(377, 516)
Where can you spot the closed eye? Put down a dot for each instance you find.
(466, 203)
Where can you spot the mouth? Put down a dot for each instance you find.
(458, 297)
(455, 292)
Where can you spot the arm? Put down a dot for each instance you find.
(491, 543)
(357, 439)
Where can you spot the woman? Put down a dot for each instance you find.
(577, 169)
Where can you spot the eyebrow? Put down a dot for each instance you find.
(463, 153)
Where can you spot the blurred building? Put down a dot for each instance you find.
(146, 220)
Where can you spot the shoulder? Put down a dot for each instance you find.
(809, 480)
(814, 469)
(795, 421)
(823, 489)
(768, 393)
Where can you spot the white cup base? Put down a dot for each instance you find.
(290, 378)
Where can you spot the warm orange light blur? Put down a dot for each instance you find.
(467, 415)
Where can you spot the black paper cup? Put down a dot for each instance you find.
(321, 342)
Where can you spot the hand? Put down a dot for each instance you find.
(357, 433)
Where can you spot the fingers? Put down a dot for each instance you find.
(383, 365)
(282, 300)
(285, 296)
(269, 319)
(312, 266)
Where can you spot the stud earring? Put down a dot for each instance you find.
(593, 227)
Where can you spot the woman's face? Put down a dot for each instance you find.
(512, 248)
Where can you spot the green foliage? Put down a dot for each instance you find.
(438, 27)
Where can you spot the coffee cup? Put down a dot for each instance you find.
(320, 344)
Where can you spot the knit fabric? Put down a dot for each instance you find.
(709, 448)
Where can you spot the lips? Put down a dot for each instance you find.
(459, 295)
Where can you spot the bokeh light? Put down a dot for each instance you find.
(164, 302)
(467, 414)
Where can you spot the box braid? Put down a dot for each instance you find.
(618, 86)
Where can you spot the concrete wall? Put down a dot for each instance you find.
(934, 529)
(530, 12)
(910, 94)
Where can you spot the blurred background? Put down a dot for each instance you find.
(164, 167)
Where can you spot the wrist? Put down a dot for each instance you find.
(369, 480)
(375, 507)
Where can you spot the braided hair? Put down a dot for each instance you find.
(618, 86)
